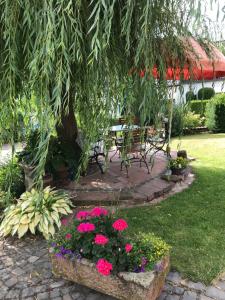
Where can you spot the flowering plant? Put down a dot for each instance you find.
(178, 163)
(98, 236)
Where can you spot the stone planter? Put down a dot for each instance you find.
(178, 171)
(125, 285)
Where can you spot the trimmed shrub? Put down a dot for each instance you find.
(190, 96)
(192, 120)
(206, 93)
(198, 106)
(215, 113)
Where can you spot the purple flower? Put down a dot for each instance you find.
(139, 269)
(144, 261)
(142, 269)
(59, 255)
(53, 245)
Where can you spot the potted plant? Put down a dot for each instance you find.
(26, 159)
(178, 165)
(92, 249)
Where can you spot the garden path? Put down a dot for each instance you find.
(25, 273)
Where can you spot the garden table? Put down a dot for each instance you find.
(124, 127)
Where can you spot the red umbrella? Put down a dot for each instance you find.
(198, 64)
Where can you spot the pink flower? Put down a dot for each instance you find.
(64, 222)
(142, 73)
(98, 212)
(85, 227)
(68, 236)
(82, 215)
(128, 247)
(104, 267)
(120, 224)
(100, 239)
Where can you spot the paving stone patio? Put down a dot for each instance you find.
(25, 273)
(114, 187)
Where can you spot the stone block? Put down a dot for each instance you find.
(125, 285)
(215, 293)
(188, 295)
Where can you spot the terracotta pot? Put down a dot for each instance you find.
(62, 172)
(47, 180)
(182, 153)
(124, 285)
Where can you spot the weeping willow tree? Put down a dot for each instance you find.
(79, 57)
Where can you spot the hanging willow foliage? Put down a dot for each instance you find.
(76, 56)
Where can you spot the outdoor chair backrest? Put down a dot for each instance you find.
(123, 121)
(133, 140)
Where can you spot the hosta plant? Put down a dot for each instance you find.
(101, 238)
(36, 211)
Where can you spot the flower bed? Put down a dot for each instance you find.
(93, 250)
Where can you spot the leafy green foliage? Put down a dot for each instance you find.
(215, 113)
(192, 120)
(5, 201)
(59, 154)
(206, 93)
(56, 54)
(154, 249)
(198, 106)
(36, 211)
(179, 112)
(178, 163)
(12, 178)
(190, 95)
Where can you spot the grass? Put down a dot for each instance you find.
(192, 222)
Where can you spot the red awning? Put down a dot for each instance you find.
(198, 65)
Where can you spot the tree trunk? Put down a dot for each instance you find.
(67, 132)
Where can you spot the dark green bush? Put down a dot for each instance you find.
(206, 93)
(198, 106)
(179, 112)
(190, 96)
(12, 173)
(215, 113)
(5, 201)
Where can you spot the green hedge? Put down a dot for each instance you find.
(206, 93)
(198, 106)
(190, 96)
(215, 113)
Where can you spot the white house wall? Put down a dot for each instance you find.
(180, 95)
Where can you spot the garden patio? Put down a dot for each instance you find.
(191, 221)
(99, 195)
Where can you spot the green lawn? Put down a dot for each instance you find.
(193, 222)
